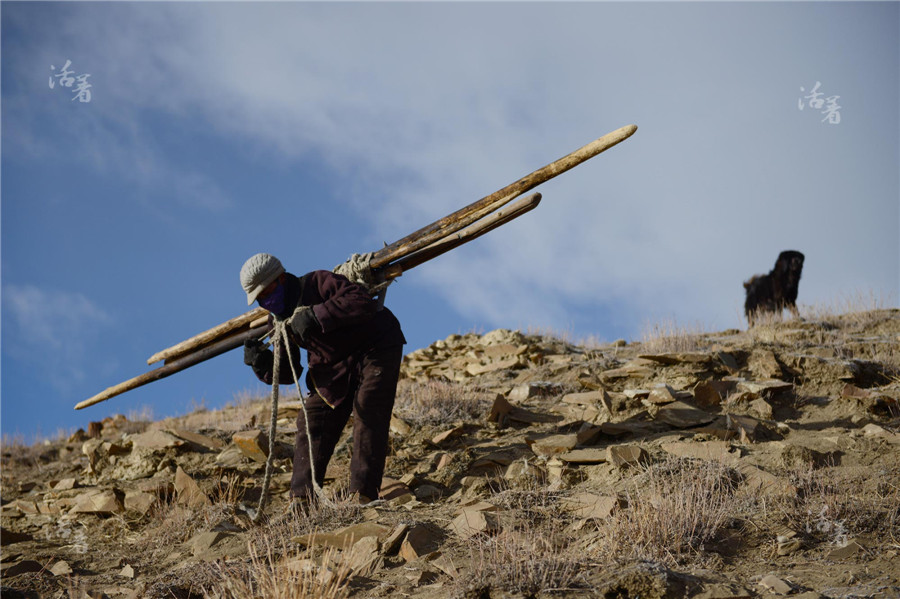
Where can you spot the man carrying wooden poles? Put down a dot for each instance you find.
(354, 349)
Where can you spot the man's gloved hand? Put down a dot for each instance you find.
(255, 352)
(303, 322)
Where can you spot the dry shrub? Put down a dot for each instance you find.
(549, 333)
(833, 504)
(670, 337)
(673, 508)
(523, 562)
(13, 447)
(527, 499)
(138, 420)
(327, 515)
(438, 403)
(286, 573)
(531, 554)
(171, 523)
(857, 307)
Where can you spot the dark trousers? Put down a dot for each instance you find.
(370, 399)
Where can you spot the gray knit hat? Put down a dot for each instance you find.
(258, 273)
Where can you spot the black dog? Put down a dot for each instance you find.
(777, 290)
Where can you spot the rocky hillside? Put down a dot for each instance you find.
(716, 466)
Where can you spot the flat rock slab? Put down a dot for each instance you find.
(253, 444)
(205, 541)
(199, 441)
(703, 450)
(155, 439)
(670, 359)
(471, 522)
(23, 567)
(420, 541)
(775, 585)
(65, 484)
(391, 543)
(345, 537)
(707, 394)
(393, 489)
(61, 568)
(139, 501)
(590, 455)
(683, 415)
(9, 537)
(587, 398)
(187, 491)
(364, 557)
(99, 502)
(590, 505)
(478, 368)
(448, 435)
(502, 411)
(764, 482)
(629, 371)
(622, 456)
(724, 591)
(851, 549)
(770, 387)
(553, 445)
(662, 394)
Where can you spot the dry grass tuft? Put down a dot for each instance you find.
(438, 403)
(330, 515)
(285, 573)
(670, 337)
(524, 562)
(532, 553)
(857, 306)
(834, 504)
(673, 508)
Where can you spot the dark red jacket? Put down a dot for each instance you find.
(352, 324)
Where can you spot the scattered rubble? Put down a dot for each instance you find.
(535, 460)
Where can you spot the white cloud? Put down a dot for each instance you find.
(424, 108)
(52, 330)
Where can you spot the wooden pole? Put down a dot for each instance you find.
(441, 228)
(211, 351)
(474, 231)
(188, 345)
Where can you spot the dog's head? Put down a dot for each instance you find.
(789, 264)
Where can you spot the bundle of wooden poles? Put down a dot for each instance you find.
(393, 260)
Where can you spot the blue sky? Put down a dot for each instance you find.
(316, 130)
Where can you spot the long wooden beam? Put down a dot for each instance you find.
(444, 226)
(188, 345)
(474, 231)
(211, 351)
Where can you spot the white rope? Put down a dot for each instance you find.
(357, 268)
(279, 337)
